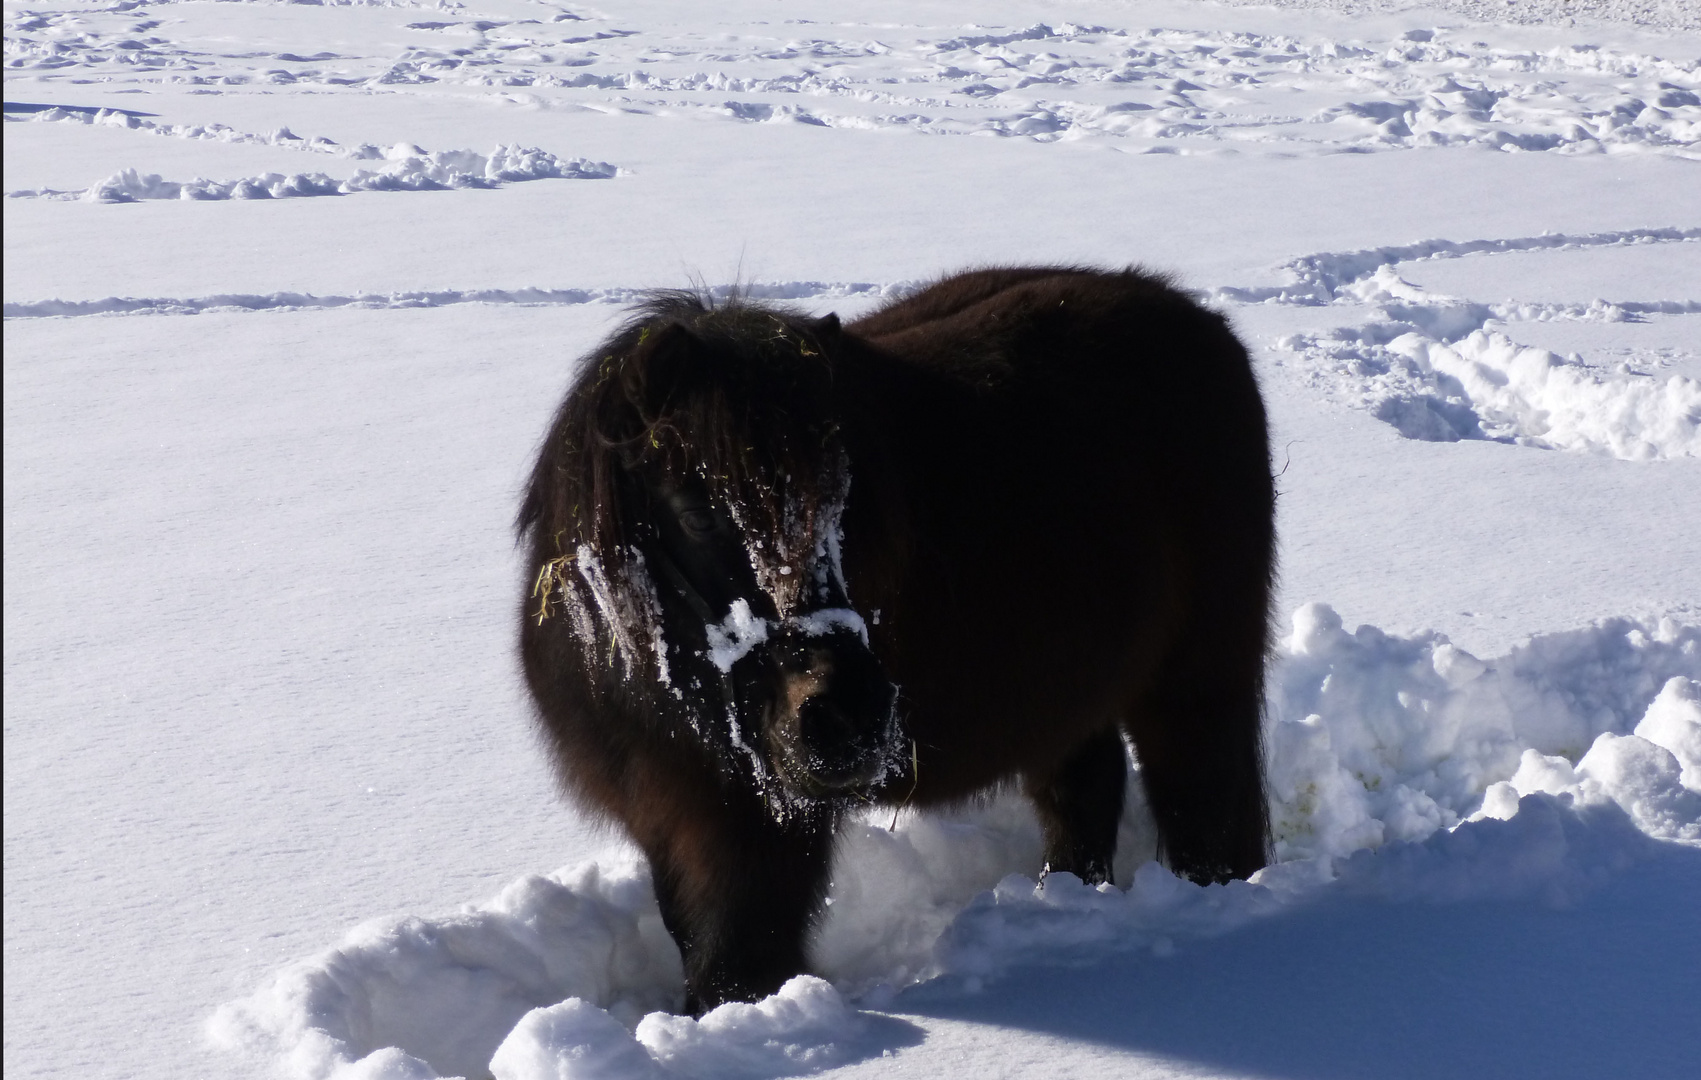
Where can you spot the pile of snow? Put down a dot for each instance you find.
(562, 976)
(806, 1027)
(1401, 770)
(1549, 851)
(131, 185)
(448, 168)
(1654, 773)
(1374, 737)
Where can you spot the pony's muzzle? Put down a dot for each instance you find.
(833, 714)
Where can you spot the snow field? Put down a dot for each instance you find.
(1157, 89)
(1434, 367)
(1401, 770)
(1142, 90)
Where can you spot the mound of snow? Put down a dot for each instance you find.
(1375, 737)
(1401, 770)
(210, 132)
(1673, 721)
(1654, 773)
(1539, 398)
(805, 1027)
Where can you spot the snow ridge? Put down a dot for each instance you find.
(130, 120)
(1320, 278)
(410, 169)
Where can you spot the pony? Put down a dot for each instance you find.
(1004, 530)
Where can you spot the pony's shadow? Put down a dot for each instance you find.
(1371, 989)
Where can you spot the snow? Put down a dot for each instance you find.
(1396, 778)
(1439, 368)
(738, 633)
(1380, 738)
(1674, 722)
(1548, 854)
(447, 991)
(273, 803)
(742, 630)
(823, 621)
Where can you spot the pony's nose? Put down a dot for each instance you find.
(839, 748)
(824, 724)
(834, 711)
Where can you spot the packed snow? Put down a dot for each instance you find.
(274, 806)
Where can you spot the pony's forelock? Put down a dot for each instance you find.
(748, 412)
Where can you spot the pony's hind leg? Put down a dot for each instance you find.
(1079, 804)
(1198, 745)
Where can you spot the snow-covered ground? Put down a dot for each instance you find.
(272, 802)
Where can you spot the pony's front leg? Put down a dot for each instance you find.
(1079, 805)
(739, 891)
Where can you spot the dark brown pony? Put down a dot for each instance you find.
(783, 568)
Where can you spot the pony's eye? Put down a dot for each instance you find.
(698, 522)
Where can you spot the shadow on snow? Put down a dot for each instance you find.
(1358, 989)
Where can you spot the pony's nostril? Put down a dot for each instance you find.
(835, 752)
(823, 726)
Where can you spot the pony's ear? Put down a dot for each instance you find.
(827, 329)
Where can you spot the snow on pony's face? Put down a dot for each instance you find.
(760, 621)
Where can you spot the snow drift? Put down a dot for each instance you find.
(1401, 770)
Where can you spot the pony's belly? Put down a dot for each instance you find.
(970, 728)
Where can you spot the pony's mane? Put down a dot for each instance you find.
(735, 393)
